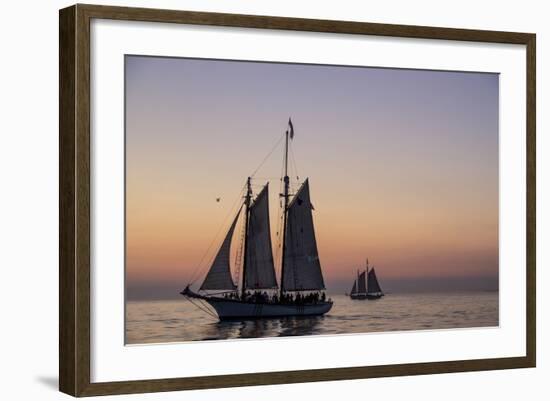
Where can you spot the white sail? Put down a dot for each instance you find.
(219, 275)
(260, 271)
(301, 267)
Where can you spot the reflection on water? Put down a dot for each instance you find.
(178, 320)
(291, 326)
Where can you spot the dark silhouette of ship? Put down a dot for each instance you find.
(257, 294)
(366, 285)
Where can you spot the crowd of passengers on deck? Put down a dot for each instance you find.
(286, 298)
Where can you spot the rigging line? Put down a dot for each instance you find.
(201, 308)
(294, 161)
(200, 267)
(192, 303)
(208, 307)
(201, 305)
(269, 154)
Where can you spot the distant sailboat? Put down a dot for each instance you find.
(359, 290)
(366, 285)
(301, 290)
(373, 288)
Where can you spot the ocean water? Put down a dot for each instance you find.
(178, 320)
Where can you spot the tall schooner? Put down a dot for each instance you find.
(301, 290)
(366, 285)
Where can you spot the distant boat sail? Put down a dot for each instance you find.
(301, 290)
(366, 285)
(373, 288)
(359, 290)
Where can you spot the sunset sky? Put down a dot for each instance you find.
(403, 168)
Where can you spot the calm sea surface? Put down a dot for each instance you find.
(179, 320)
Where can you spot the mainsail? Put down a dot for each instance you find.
(260, 271)
(373, 287)
(219, 275)
(301, 267)
(362, 283)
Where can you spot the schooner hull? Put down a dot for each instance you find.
(239, 310)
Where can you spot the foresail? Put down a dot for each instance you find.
(354, 288)
(302, 269)
(373, 286)
(219, 275)
(362, 283)
(260, 271)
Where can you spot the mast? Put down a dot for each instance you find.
(367, 275)
(247, 199)
(285, 213)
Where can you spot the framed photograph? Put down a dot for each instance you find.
(250, 200)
